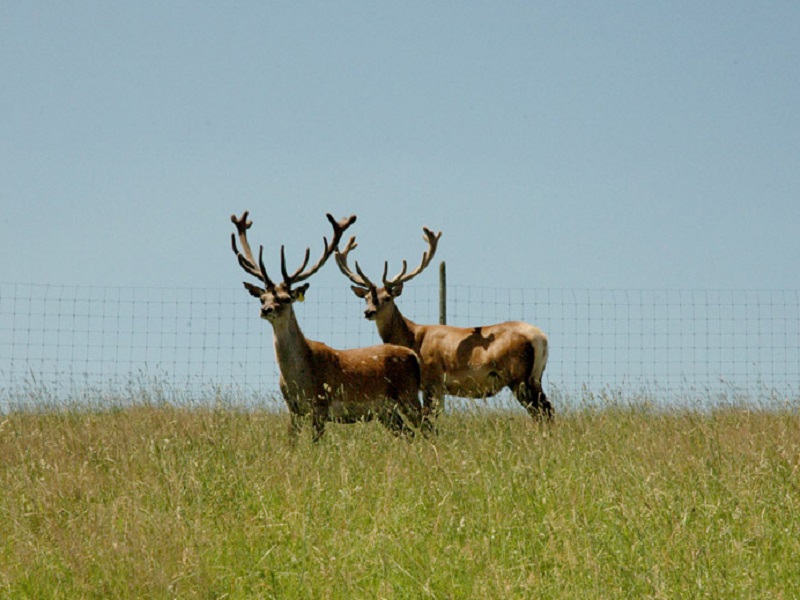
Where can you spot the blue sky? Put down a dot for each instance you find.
(556, 145)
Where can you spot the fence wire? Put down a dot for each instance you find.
(78, 342)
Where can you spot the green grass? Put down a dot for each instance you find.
(610, 502)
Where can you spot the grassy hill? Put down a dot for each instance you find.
(610, 502)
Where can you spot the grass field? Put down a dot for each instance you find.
(618, 501)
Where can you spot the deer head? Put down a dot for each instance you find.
(277, 298)
(378, 299)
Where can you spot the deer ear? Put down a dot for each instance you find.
(254, 290)
(299, 294)
(359, 291)
(396, 290)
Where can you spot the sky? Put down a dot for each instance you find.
(621, 145)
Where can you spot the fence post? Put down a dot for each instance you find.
(442, 294)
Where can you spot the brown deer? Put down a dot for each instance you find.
(329, 385)
(474, 362)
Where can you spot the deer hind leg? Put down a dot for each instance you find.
(544, 404)
(432, 408)
(412, 409)
(403, 413)
(540, 348)
(433, 403)
(391, 416)
(532, 397)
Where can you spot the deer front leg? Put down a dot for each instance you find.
(318, 418)
(295, 416)
(295, 425)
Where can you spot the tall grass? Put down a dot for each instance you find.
(609, 502)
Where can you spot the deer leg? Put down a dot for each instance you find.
(429, 411)
(391, 418)
(412, 408)
(295, 416)
(295, 425)
(318, 418)
(544, 403)
(527, 399)
(433, 403)
(534, 400)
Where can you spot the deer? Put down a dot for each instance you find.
(380, 382)
(470, 362)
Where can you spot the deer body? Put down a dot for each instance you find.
(472, 362)
(344, 385)
(319, 381)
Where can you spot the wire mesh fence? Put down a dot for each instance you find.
(62, 343)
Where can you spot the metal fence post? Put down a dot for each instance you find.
(442, 294)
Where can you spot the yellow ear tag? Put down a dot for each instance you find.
(300, 297)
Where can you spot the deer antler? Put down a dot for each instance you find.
(341, 259)
(301, 273)
(427, 256)
(246, 260)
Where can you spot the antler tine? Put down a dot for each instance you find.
(286, 276)
(301, 274)
(341, 261)
(246, 260)
(388, 283)
(243, 261)
(264, 275)
(427, 256)
(364, 277)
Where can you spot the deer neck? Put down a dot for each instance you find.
(291, 349)
(394, 328)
